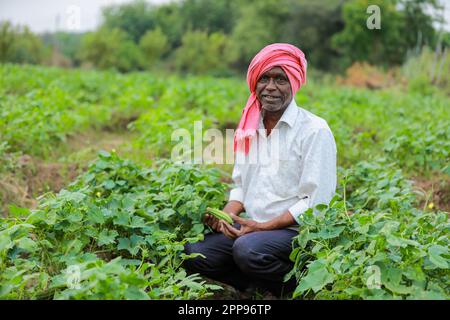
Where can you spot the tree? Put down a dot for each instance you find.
(168, 17)
(134, 18)
(19, 45)
(67, 44)
(153, 45)
(203, 53)
(259, 23)
(7, 37)
(209, 16)
(311, 26)
(388, 45)
(419, 18)
(110, 49)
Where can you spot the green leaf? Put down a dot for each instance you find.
(95, 215)
(371, 248)
(317, 247)
(109, 184)
(330, 232)
(18, 212)
(316, 278)
(137, 222)
(27, 244)
(134, 293)
(198, 228)
(124, 244)
(151, 239)
(136, 240)
(435, 253)
(5, 243)
(391, 278)
(104, 154)
(321, 207)
(76, 197)
(76, 216)
(122, 218)
(293, 254)
(36, 216)
(128, 203)
(166, 214)
(102, 164)
(130, 245)
(401, 242)
(214, 287)
(428, 295)
(74, 246)
(107, 237)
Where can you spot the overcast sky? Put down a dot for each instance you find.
(73, 15)
(51, 15)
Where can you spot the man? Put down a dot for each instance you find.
(302, 174)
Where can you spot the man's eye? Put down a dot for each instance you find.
(264, 79)
(281, 81)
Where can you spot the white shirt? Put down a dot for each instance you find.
(295, 174)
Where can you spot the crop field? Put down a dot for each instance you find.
(93, 207)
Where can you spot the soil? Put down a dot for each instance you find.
(119, 123)
(231, 293)
(33, 176)
(433, 191)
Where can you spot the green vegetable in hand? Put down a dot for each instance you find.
(220, 215)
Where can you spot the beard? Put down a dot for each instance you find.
(276, 106)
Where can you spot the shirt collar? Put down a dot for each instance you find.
(290, 114)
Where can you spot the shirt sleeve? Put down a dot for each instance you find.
(237, 192)
(318, 178)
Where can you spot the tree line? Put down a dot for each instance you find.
(219, 37)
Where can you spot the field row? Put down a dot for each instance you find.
(39, 112)
(117, 231)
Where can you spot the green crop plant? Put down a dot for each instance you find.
(384, 248)
(119, 226)
(117, 232)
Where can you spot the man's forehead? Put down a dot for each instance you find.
(274, 71)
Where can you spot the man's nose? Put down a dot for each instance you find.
(271, 85)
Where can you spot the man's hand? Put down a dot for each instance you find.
(215, 223)
(212, 221)
(247, 226)
(233, 208)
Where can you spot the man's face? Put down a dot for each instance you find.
(273, 90)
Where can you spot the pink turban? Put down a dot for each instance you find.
(293, 62)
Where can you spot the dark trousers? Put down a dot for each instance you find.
(258, 258)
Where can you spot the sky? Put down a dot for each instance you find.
(73, 15)
(61, 15)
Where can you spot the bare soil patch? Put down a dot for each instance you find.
(33, 176)
(435, 192)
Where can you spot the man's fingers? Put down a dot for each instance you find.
(225, 231)
(238, 219)
(221, 228)
(215, 225)
(211, 221)
(231, 229)
(208, 221)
